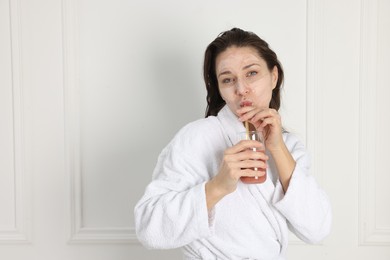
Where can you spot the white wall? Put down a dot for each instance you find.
(91, 91)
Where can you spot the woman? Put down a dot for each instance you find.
(196, 200)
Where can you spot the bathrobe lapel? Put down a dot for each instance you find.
(264, 192)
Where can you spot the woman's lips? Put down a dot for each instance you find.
(245, 104)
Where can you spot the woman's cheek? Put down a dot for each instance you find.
(263, 97)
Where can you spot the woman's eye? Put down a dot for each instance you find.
(226, 81)
(252, 73)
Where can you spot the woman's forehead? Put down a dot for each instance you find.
(238, 56)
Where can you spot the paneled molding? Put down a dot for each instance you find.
(20, 233)
(369, 232)
(78, 232)
(314, 103)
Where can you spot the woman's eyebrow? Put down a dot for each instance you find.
(250, 65)
(224, 73)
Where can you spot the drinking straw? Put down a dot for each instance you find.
(247, 130)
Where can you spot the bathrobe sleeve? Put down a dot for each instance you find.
(305, 205)
(173, 211)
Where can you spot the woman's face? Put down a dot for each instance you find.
(244, 78)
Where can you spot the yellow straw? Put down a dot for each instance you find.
(247, 130)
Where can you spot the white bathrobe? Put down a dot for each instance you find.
(250, 223)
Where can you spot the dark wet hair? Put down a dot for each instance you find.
(240, 38)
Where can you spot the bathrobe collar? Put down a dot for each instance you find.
(231, 125)
(264, 192)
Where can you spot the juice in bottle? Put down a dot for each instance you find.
(258, 136)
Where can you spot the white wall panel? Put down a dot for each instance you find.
(14, 222)
(383, 120)
(7, 184)
(111, 229)
(375, 125)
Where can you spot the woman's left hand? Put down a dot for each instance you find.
(266, 120)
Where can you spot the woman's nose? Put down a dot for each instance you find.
(242, 88)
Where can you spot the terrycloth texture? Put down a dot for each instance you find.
(250, 223)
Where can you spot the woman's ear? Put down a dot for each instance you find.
(274, 75)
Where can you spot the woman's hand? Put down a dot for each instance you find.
(238, 160)
(266, 120)
(269, 122)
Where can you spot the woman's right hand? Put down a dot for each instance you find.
(238, 160)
